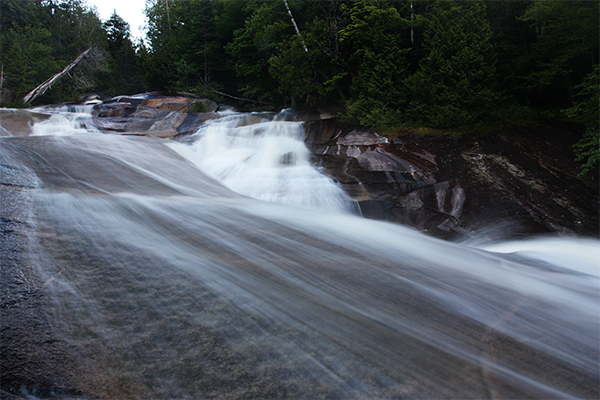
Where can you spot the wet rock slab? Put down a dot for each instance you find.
(34, 361)
(19, 122)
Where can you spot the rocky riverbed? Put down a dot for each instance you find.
(510, 183)
(516, 182)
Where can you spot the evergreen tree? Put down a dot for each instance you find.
(565, 49)
(376, 38)
(117, 30)
(40, 38)
(229, 16)
(512, 41)
(122, 76)
(26, 59)
(255, 44)
(300, 67)
(185, 52)
(587, 111)
(456, 81)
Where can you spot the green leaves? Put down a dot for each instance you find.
(566, 45)
(123, 74)
(386, 63)
(376, 37)
(40, 38)
(456, 79)
(117, 31)
(587, 111)
(27, 58)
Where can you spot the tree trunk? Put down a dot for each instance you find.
(295, 26)
(40, 90)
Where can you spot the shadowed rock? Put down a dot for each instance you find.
(520, 179)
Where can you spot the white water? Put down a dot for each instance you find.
(184, 288)
(265, 158)
(64, 121)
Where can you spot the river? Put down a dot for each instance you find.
(227, 266)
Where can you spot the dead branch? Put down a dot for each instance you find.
(238, 98)
(296, 26)
(40, 90)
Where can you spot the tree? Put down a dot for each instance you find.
(184, 52)
(566, 48)
(255, 44)
(512, 40)
(122, 75)
(377, 42)
(456, 81)
(26, 59)
(117, 30)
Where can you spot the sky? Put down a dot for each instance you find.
(131, 11)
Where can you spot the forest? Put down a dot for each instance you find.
(385, 64)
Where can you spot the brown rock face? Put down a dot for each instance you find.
(18, 122)
(508, 183)
(152, 114)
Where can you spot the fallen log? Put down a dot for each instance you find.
(41, 89)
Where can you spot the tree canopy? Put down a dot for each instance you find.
(385, 63)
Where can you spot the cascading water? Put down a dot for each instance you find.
(66, 120)
(263, 156)
(166, 283)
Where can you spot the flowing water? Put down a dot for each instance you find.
(263, 156)
(228, 267)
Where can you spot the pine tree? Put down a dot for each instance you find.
(455, 83)
(586, 110)
(117, 30)
(378, 44)
(565, 50)
(255, 44)
(122, 76)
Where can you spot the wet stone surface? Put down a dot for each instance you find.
(516, 182)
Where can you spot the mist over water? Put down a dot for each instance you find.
(231, 268)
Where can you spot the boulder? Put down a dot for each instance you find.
(152, 114)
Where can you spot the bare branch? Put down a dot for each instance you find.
(295, 26)
(40, 90)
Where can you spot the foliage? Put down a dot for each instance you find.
(254, 45)
(455, 83)
(566, 46)
(40, 38)
(185, 51)
(376, 39)
(386, 63)
(198, 107)
(587, 111)
(122, 75)
(27, 58)
(117, 31)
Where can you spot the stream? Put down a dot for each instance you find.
(227, 266)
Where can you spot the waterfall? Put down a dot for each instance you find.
(263, 156)
(64, 120)
(228, 267)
